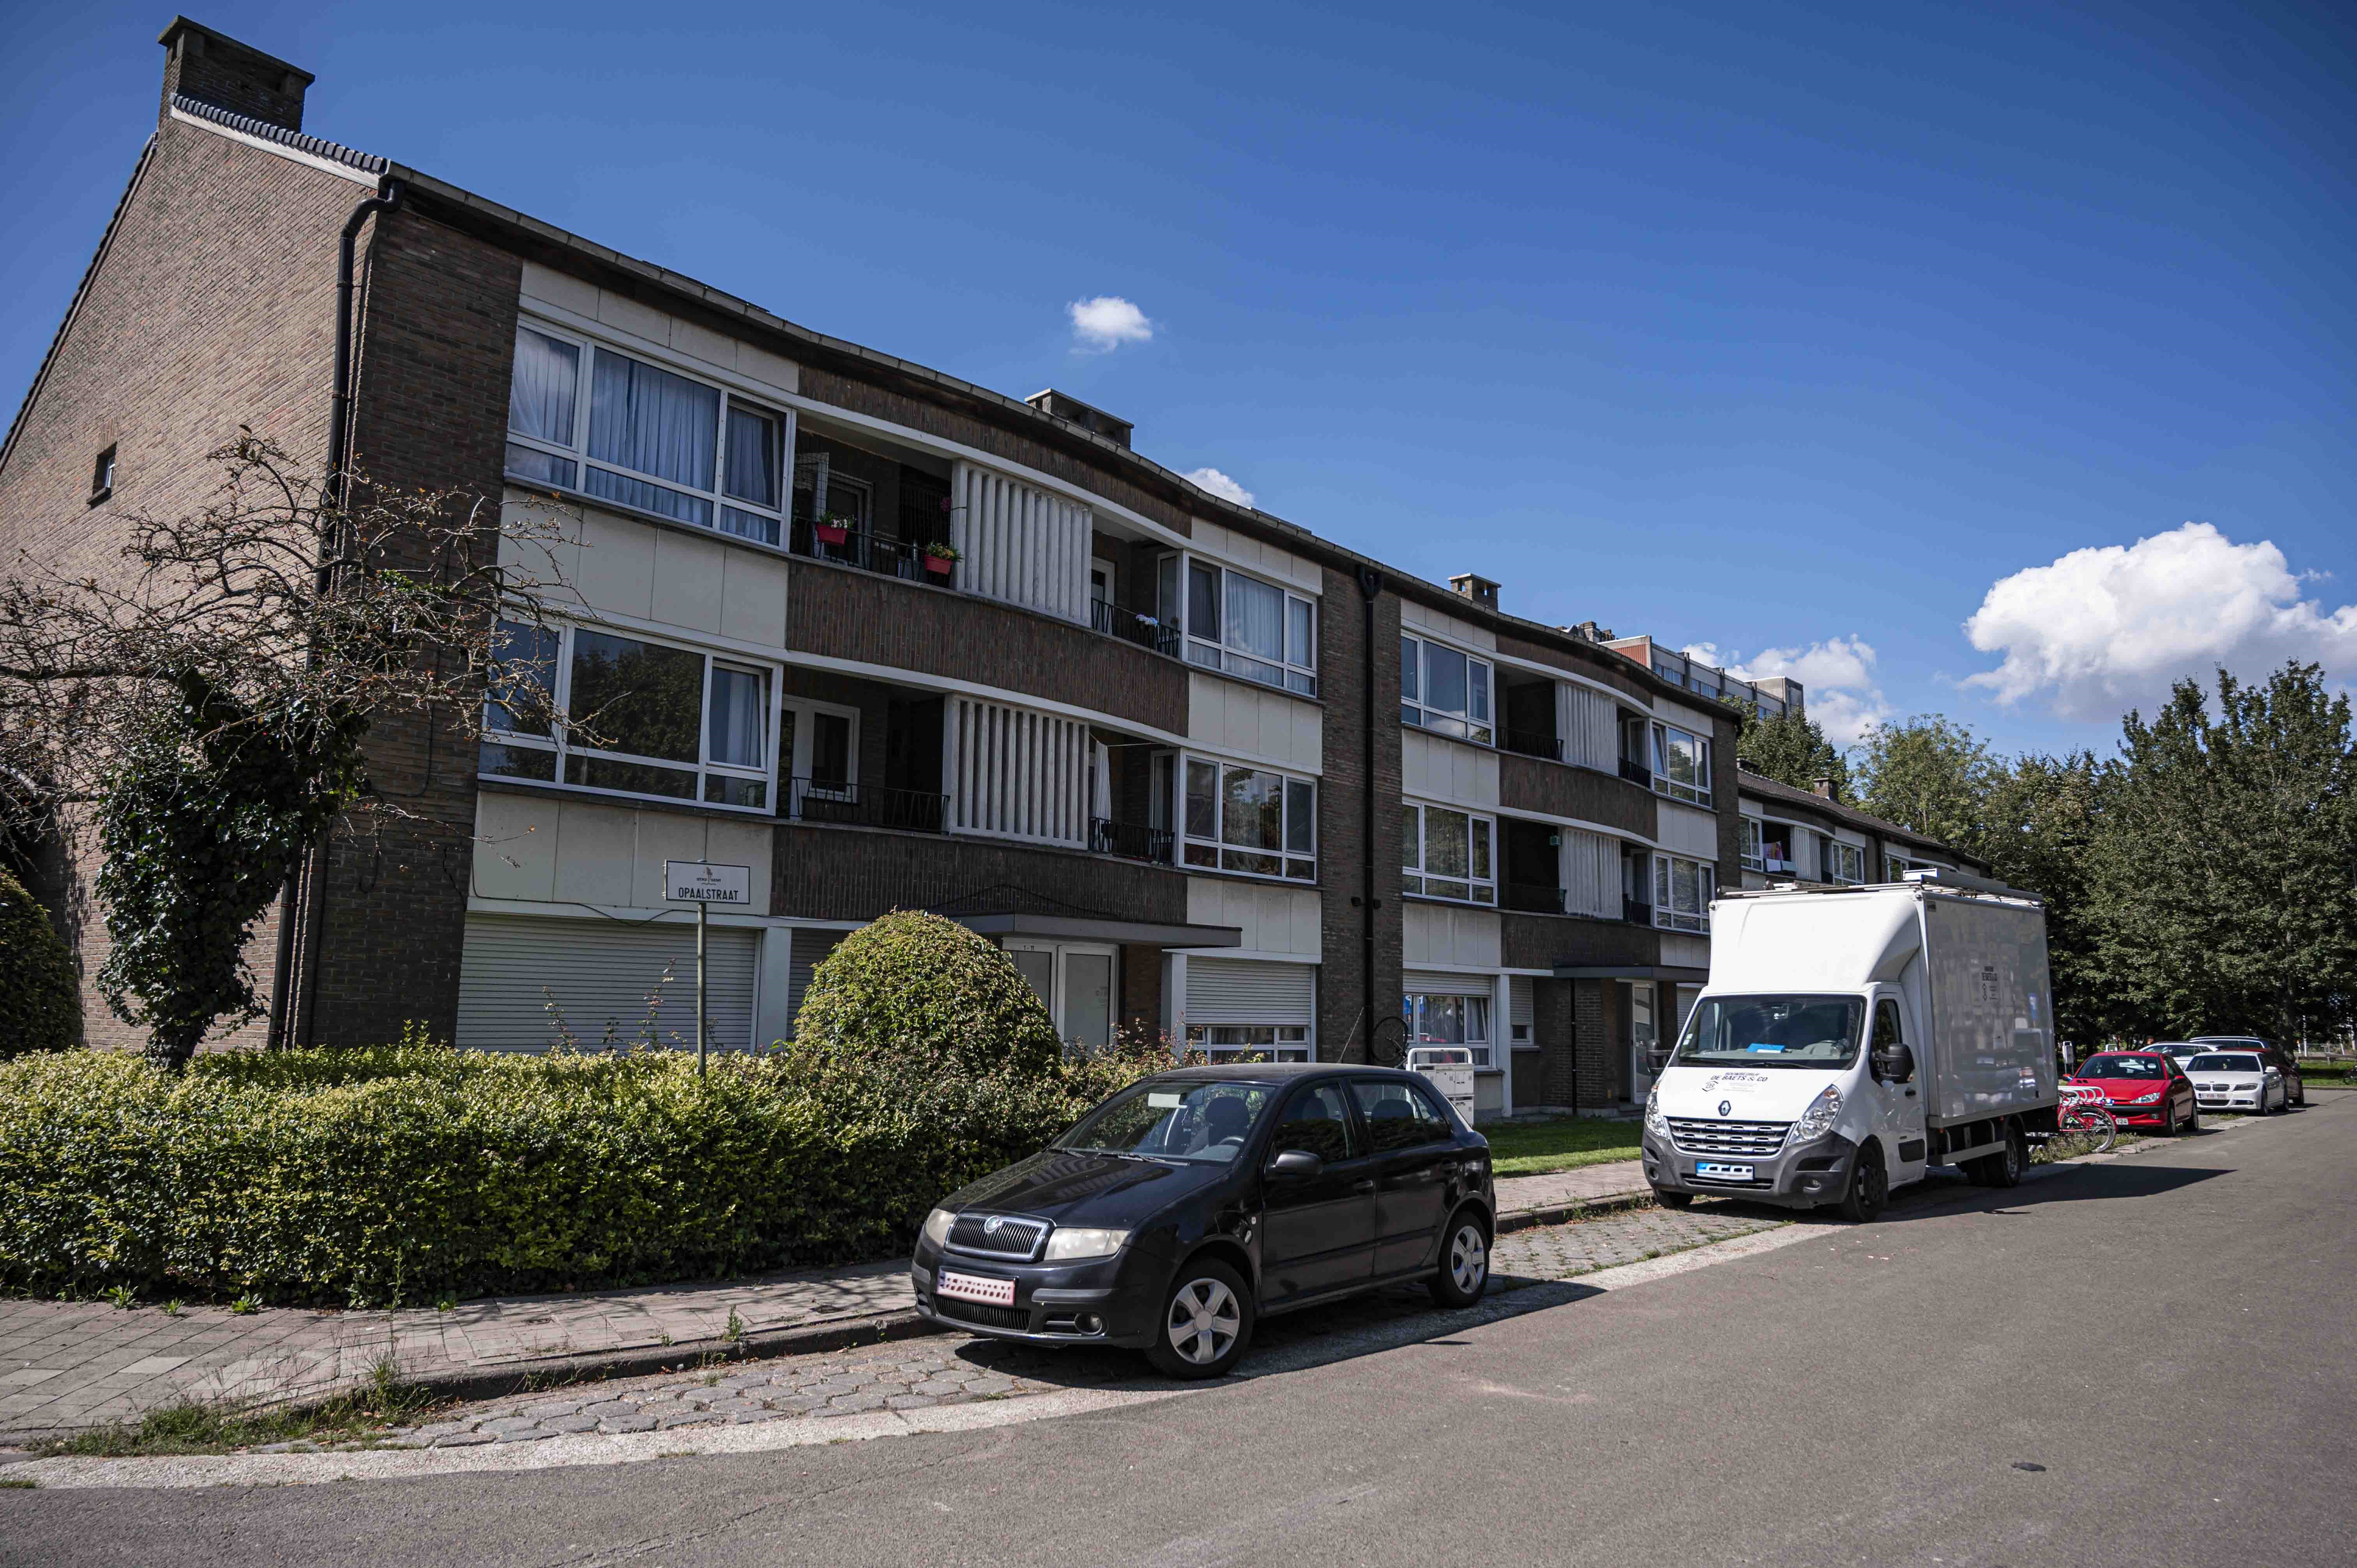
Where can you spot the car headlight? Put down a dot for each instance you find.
(1819, 1118)
(1064, 1246)
(937, 1227)
(1655, 1122)
(2145, 1098)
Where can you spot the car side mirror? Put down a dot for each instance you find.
(1296, 1163)
(1894, 1063)
(1657, 1060)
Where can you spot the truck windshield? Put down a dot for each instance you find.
(1773, 1031)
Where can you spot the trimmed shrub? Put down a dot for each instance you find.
(404, 1172)
(40, 995)
(926, 992)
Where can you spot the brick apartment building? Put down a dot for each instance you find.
(1194, 767)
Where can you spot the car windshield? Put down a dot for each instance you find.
(2124, 1067)
(1773, 1031)
(1205, 1122)
(2220, 1062)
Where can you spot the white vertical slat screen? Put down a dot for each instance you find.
(1016, 774)
(1019, 543)
(1591, 874)
(1591, 729)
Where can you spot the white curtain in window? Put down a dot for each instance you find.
(752, 457)
(539, 396)
(1255, 617)
(740, 711)
(647, 419)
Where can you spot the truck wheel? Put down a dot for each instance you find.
(1673, 1199)
(1869, 1186)
(1464, 1272)
(2004, 1169)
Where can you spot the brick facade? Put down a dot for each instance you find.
(1343, 846)
(1559, 790)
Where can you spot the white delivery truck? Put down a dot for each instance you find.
(1851, 1038)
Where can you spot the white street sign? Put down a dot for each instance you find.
(701, 882)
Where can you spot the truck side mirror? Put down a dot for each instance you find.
(1657, 1059)
(1894, 1063)
(1296, 1163)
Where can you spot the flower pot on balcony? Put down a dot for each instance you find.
(939, 566)
(831, 532)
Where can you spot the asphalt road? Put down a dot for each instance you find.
(2172, 1337)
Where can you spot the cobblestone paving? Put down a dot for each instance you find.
(955, 1368)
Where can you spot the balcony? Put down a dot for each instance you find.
(1531, 897)
(836, 803)
(870, 552)
(1636, 911)
(1636, 772)
(1130, 840)
(1131, 627)
(1533, 743)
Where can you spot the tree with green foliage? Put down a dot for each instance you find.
(917, 990)
(2221, 876)
(1791, 748)
(40, 997)
(2039, 821)
(1928, 774)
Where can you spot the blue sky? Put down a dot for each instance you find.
(1769, 328)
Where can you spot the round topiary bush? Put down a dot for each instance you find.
(40, 996)
(915, 990)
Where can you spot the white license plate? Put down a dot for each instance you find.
(1723, 1172)
(974, 1287)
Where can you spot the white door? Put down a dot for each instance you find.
(1642, 1037)
(1902, 1114)
(1075, 980)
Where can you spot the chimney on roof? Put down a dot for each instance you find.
(1829, 789)
(1589, 631)
(1073, 411)
(215, 68)
(1481, 590)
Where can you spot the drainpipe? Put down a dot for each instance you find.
(1371, 584)
(295, 908)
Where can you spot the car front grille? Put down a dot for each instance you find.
(1755, 1140)
(999, 1235)
(981, 1313)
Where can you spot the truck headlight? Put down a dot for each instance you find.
(937, 1227)
(1655, 1122)
(1819, 1118)
(1066, 1246)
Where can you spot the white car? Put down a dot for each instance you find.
(2237, 1080)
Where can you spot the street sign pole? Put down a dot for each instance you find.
(704, 884)
(702, 923)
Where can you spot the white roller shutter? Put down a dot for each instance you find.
(1243, 990)
(811, 950)
(1518, 1009)
(601, 975)
(1434, 981)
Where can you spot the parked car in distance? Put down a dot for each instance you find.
(2178, 1051)
(1177, 1213)
(2237, 1080)
(2146, 1089)
(2294, 1087)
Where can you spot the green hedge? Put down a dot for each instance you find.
(406, 1173)
(40, 994)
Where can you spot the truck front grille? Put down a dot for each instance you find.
(1754, 1140)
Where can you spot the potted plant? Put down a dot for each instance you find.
(832, 530)
(940, 558)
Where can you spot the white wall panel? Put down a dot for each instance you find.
(1432, 768)
(1443, 933)
(1273, 918)
(1686, 829)
(1231, 717)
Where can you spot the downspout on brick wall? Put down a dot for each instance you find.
(1371, 584)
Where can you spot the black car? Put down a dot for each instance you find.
(1184, 1207)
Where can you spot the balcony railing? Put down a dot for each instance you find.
(1531, 897)
(1530, 744)
(1636, 911)
(1636, 772)
(870, 552)
(843, 804)
(1130, 840)
(1131, 627)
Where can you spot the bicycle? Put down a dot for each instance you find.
(2084, 1124)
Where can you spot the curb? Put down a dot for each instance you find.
(1578, 1209)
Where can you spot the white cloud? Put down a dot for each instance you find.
(2104, 628)
(1220, 485)
(1105, 322)
(1837, 676)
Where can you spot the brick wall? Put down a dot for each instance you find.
(1554, 1024)
(1531, 784)
(1725, 793)
(1342, 793)
(1595, 1010)
(1543, 941)
(852, 874)
(1583, 658)
(214, 69)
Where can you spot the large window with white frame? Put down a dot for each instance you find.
(1445, 690)
(1754, 845)
(1447, 854)
(1682, 764)
(586, 418)
(1248, 820)
(1682, 890)
(1434, 1018)
(1241, 624)
(646, 717)
(1844, 863)
(1270, 1042)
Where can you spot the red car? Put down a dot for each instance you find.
(2146, 1088)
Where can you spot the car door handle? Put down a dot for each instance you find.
(1364, 1183)
(1911, 1094)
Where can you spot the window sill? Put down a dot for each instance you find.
(1452, 903)
(101, 493)
(544, 790)
(1258, 878)
(1246, 682)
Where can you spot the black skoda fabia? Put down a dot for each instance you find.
(1190, 1203)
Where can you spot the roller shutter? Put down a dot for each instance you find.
(1433, 981)
(600, 974)
(811, 950)
(1241, 991)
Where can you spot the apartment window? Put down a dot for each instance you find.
(584, 418)
(1225, 1042)
(1445, 855)
(648, 718)
(1844, 862)
(1680, 764)
(1435, 1018)
(1443, 690)
(1682, 893)
(1244, 625)
(101, 476)
(1250, 820)
(1754, 855)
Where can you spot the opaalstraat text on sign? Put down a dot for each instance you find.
(701, 882)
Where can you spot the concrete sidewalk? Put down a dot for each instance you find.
(70, 1365)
